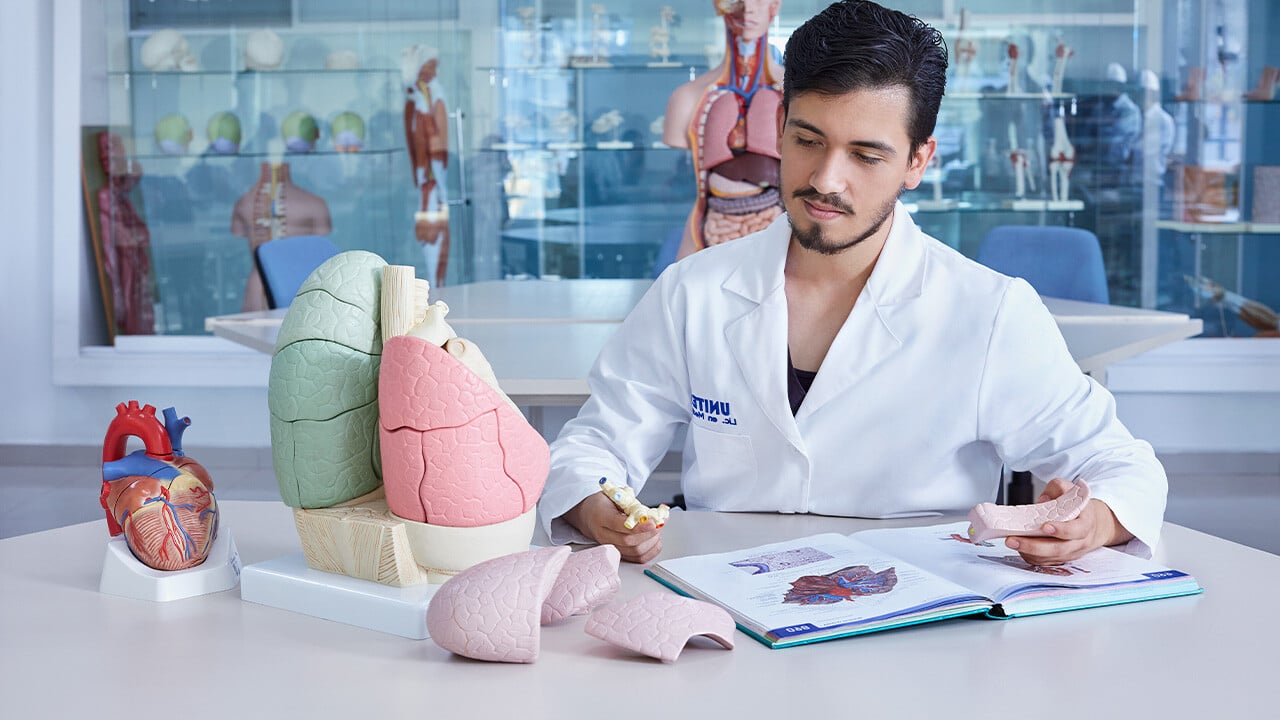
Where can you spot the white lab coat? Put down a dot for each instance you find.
(943, 370)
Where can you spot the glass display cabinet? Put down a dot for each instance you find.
(1142, 121)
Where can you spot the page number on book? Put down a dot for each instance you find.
(798, 629)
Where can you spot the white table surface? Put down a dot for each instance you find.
(542, 336)
(68, 651)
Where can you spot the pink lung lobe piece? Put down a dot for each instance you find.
(589, 579)
(454, 452)
(492, 611)
(988, 520)
(659, 624)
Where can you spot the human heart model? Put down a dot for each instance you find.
(403, 460)
(160, 499)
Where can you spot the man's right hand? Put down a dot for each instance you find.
(599, 519)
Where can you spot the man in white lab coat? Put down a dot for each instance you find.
(842, 362)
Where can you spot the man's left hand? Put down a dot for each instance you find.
(1095, 527)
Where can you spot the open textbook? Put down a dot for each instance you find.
(828, 586)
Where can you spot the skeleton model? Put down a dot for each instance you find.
(660, 37)
(1060, 56)
(600, 35)
(966, 49)
(1018, 156)
(1062, 157)
(529, 29)
(1253, 313)
(1015, 86)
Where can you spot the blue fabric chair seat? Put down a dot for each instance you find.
(1059, 262)
(286, 262)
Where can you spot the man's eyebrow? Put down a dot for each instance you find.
(878, 146)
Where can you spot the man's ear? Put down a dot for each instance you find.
(782, 122)
(919, 162)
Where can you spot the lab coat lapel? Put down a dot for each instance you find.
(758, 339)
(869, 337)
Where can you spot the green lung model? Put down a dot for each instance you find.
(323, 391)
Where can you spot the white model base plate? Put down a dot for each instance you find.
(287, 583)
(124, 575)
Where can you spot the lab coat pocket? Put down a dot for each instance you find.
(722, 472)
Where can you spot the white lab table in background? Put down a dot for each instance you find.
(542, 336)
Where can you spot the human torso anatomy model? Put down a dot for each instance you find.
(728, 118)
(274, 208)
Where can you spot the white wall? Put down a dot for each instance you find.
(37, 411)
(1174, 415)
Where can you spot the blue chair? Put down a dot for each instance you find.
(1059, 262)
(286, 262)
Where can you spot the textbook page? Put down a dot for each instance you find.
(994, 570)
(814, 584)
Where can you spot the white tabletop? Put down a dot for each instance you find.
(542, 336)
(68, 651)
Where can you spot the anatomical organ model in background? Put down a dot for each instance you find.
(728, 118)
(126, 241)
(426, 132)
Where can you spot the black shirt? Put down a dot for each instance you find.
(798, 384)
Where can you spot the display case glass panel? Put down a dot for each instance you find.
(556, 165)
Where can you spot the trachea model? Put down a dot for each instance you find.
(988, 520)
(637, 512)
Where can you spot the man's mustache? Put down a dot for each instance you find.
(834, 201)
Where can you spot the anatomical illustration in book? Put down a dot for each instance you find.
(848, 583)
(1016, 561)
(780, 560)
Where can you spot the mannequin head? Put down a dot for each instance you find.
(748, 20)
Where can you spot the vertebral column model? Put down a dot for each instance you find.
(727, 117)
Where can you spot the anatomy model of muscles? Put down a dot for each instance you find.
(727, 117)
(126, 241)
(274, 208)
(426, 132)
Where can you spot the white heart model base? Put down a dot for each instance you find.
(124, 575)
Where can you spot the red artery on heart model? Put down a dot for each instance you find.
(160, 499)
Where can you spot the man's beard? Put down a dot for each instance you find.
(813, 238)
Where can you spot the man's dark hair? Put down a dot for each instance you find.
(855, 45)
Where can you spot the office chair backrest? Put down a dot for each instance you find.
(286, 262)
(1059, 262)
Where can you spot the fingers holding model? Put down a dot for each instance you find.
(1059, 541)
(600, 519)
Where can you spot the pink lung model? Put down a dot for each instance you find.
(988, 520)
(493, 611)
(589, 579)
(658, 624)
(454, 451)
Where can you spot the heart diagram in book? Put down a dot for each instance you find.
(848, 583)
(1016, 561)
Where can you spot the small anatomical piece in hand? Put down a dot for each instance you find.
(988, 520)
(637, 512)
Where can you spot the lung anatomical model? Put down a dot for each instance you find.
(728, 118)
